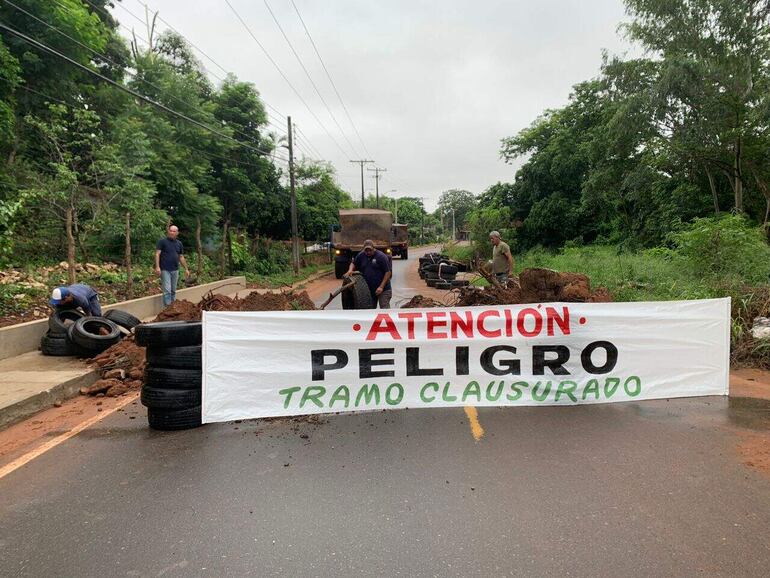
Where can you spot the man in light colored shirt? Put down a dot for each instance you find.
(502, 260)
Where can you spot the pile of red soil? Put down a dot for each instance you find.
(122, 365)
(531, 286)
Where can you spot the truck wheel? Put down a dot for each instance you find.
(359, 296)
(340, 268)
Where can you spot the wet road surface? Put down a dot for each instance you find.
(645, 489)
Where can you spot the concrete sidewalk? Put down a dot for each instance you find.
(33, 381)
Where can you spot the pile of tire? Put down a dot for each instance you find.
(173, 377)
(440, 272)
(70, 333)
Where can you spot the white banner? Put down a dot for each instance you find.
(261, 364)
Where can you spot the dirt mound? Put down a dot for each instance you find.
(217, 303)
(302, 302)
(535, 286)
(121, 367)
(418, 301)
(276, 302)
(180, 310)
(538, 285)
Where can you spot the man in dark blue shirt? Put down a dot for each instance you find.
(168, 255)
(74, 296)
(375, 267)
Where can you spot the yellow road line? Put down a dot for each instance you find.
(39, 451)
(473, 418)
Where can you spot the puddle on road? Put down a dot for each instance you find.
(749, 412)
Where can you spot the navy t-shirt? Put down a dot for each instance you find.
(170, 249)
(373, 268)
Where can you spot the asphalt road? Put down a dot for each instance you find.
(644, 489)
(405, 282)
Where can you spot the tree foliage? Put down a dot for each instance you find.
(653, 142)
(75, 148)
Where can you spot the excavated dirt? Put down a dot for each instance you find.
(180, 310)
(418, 302)
(122, 365)
(531, 286)
(276, 302)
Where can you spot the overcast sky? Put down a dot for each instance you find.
(432, 86)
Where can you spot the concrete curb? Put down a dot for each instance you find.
(25, 337)
(45, 399)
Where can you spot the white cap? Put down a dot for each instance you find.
(56, 294)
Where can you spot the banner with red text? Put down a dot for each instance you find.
(278, 363)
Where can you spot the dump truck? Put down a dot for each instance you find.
(358, 225)
(399, 244)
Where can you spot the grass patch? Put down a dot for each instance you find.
(285, 278)
(642, 276)
(458, 252)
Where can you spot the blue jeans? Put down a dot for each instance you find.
(168, 281)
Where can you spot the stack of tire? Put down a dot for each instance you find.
(173, 377)
(70, 333)
(439, 272)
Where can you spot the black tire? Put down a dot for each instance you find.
(165, 420)
(340, 268)
(446, 270)
(59, 322)
(430, 275)
(447, 277)
(85, 334)
(359, 297)
(122, 318)
(460, 283)
(443, 285)
(185, 357)
(166, 378)
(58, 345)
(170, 399)
(431, 282)
(169, 334)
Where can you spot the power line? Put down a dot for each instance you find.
(130, 91)
(136, 77)
(310, 78)
(329, 76)
(280, 71)
(309, 144)
(214, 62)
(282, 116)
(186, 145)
(112, 62)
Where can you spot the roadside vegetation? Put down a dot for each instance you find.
(654, 178)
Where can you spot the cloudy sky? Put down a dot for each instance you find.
(432, 86)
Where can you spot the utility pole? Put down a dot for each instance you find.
(294, 227)
(454, 237)
(362, 162)
(395, 198)
(422, 221)
(377, 171)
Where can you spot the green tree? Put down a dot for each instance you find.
(455, 204)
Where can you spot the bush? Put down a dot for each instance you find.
(727, 250)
